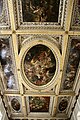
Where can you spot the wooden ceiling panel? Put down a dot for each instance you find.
(39, 58)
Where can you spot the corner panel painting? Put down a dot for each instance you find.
(39, 104)
(39, 65)
(6, 63)
(40, 10)
(73, 62)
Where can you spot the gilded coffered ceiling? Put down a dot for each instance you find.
(39, 58)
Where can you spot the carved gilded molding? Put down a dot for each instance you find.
(75, 22)
(4, 17)
(56, 39)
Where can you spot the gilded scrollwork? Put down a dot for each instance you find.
(54, 39)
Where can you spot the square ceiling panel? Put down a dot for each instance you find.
(39, 104)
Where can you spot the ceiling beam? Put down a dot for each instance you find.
(11, 13)
(49, 94)
(47, 31)
(50, 32)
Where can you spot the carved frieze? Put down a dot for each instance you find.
(55, 39)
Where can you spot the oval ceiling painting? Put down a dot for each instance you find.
(1, 6)
(15, 104)
(39, 65)
(63, 105)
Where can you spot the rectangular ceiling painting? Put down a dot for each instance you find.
(40, 10)
(39, 104)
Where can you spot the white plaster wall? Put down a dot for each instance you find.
(76, 112)
(2, 111)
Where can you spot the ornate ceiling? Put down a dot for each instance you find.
(39, 57)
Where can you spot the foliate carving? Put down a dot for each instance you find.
(22, 24)
(55, 39)
(4, 15)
